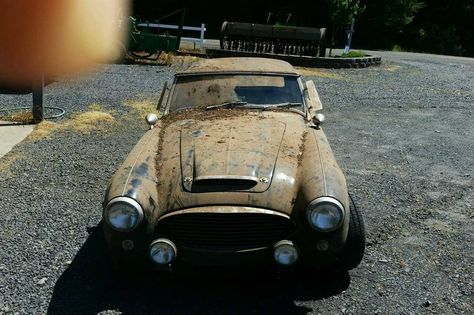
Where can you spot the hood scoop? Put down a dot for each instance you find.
(223, 183)
(229, 155)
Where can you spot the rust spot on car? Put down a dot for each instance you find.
(142, 169)
(302, 147)
(136, 182)
(214, 88)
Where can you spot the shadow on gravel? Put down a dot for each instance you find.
(86, 288)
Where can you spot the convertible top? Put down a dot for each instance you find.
(239, 65)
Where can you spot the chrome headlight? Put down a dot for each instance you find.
(325, 214)
(123, 214)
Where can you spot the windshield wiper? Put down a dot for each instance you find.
(282, 105)
(227, 105)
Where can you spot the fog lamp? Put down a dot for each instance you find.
(162, 251)
(285, 253)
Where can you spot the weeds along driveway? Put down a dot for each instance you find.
(402, 133)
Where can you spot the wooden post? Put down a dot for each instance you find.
(201, 38)
(38, 109)
(180, 29)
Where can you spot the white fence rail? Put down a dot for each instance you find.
(201, 30)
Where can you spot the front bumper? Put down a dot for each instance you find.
(200, 253)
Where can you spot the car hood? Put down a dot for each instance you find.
(248, 159)
(229, 155)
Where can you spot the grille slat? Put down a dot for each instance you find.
(225, 231)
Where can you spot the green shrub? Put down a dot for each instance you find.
(354, 54)
(397, 48)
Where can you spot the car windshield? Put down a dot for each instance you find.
(237, 90)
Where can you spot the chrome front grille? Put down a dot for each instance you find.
(225, 231)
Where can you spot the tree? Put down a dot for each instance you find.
(341, 13)
(442, 27)
(383, 22)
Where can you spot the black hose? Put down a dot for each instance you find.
(60, 114)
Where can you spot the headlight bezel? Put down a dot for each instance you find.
(321, 201)
(129, 202)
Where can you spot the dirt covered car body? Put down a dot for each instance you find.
(236, 172)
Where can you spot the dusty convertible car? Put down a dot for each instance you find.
(237, 172)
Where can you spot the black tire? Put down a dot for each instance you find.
(355, 245)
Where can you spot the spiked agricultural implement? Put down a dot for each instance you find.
(273, 39)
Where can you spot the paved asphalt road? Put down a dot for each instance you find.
(403, 134)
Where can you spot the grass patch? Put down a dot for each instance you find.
(43, 130)
(175, 60)
(83, 123)
(17, 116)
(95, 107)
(314, 72)
(354, 54)
(167, 59)
(88, 121)
(190, 47)
(7, 161)
(142, 107)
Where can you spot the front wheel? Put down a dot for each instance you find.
(355, 245)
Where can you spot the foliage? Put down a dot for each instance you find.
(442, 27)
(399, 13)
(397, 48)
(384, 22)
(343, 11)
(354, 54)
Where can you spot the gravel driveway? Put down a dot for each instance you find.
(403, 133)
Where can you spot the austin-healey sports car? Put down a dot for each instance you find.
(237, 171)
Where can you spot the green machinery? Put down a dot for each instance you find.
(144, 41)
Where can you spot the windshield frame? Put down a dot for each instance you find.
(166, 108)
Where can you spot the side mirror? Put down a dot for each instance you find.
(162, 96)
(318, 120)
(314, 101)
(151, 120)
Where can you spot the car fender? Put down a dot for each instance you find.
(136, 177)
